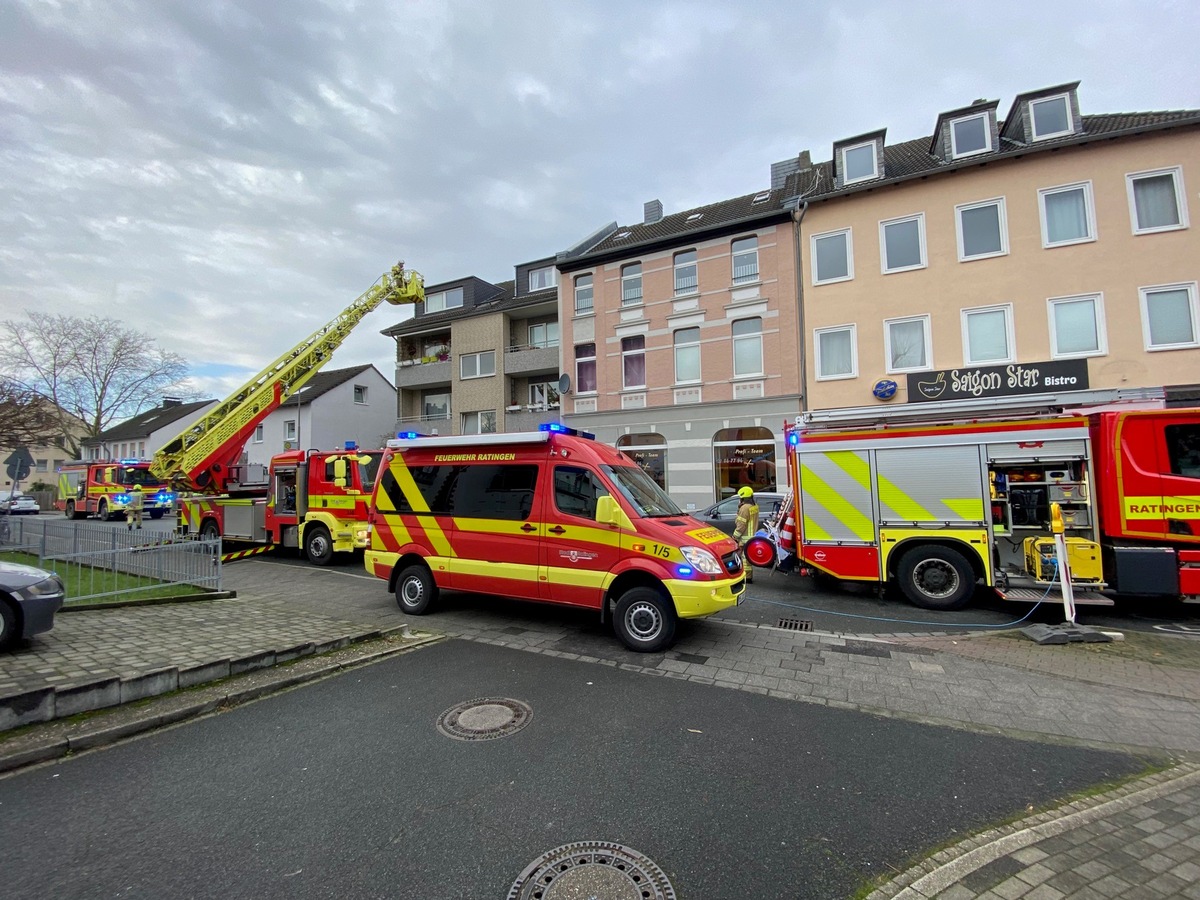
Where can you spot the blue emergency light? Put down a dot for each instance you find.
(793, 438)
(560, 428)
(350, 445)
(408, 435)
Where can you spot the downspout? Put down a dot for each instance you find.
(797, 220)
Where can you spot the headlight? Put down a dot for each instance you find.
(701, 560)
(47, 587)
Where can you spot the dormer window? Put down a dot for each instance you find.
(542, 279)
(970, 135)
(859, 163)
(1051, 117)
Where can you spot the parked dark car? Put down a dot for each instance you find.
(29, 598)
(724, 514)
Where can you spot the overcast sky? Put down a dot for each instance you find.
(228, 176)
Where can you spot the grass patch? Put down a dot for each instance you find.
(104, 586)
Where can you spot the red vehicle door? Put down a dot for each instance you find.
(577, 554)
(1158, 474)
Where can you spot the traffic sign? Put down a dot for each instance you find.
(19, 463)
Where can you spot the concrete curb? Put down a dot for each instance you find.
(950, 866)
(47, 741)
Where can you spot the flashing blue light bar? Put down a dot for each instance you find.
(684, 571)
(408, 435)
(350, 445)
(130, 462)
(560, 428)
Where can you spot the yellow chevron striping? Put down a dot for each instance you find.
(813, 531)
(416, 500)
(816, 488)
(968, 508)
(905, 506)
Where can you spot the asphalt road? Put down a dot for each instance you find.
(345, 788)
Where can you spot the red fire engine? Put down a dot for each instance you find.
(939, 506)
(100, 487)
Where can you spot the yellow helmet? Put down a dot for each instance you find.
(137, 487)
(746, 491)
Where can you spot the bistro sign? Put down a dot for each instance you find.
(998, 381)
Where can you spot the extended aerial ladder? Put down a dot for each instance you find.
(204, 455)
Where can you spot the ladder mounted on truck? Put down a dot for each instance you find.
(202, 456)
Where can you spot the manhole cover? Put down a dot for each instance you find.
(592, 869)
(796, 624)
(484, 719)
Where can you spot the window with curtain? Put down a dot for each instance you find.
(987, 335)
(583, 293)
(541, 279)
(1067, 214)
(903, 242)
(1076, 326)
(981, 230)
(585, 368)
(745, 259)
(685, 272)
(687, 355)
(1169, 316)
(907, 344)
(836, 353)
(747, 347)
(633, 361)
(631, 284)
(1156, 201)
(832, 257)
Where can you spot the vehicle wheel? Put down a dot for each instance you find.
(8, 626)
(102, 511)
(209, 530)
(760, 552)
(415, 590)
(69, 512)
(644, 621)
(156, 513)
(934, 577)
(318, 545)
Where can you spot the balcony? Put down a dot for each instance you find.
(528, 418)
(524, 359)
(427, 424)
(426, 372)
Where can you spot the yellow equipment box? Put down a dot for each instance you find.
(1083, 560)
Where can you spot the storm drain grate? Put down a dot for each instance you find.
(484, 719)
(592, 869)
(796, 624)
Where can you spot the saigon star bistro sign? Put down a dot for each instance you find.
(998, 381)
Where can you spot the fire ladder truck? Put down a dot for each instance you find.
(305, 498)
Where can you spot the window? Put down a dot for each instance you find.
(541, 279)
(685, 272)
(1156, 201)
(477, 365)
(908, 347)
(258, 434)
(1183, 450)
(1169, 316)
(489, 491)
(633, 361)
(443, 300)
(1051, 117)
(289, 430)
(903, 243)
(631, 284)
(543, 334)
(585, 368)
(583, 293)
(988, 335)
(833, 257)
(435, 406)
(1077, 327)
(360, 393)
(970, 135)
(745, 260)
(743, 457)
(982, 230)
(687, 355)
(483, 422)
(543, 395)
(576, 491)
(41, 465)
(747, 347)
(649, 451)
(1067, 214)
(858, 162)
(837, 352)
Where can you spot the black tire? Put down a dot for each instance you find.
(156, 513)
(102, 511)
(644, 621)
(318, 545)
(934, 577)
(8, 625)
(416, 591)
(70, 512)
(209, 530)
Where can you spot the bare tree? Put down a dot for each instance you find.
(26, 418)
(94, 369)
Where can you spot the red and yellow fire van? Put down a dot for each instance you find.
(551, 516)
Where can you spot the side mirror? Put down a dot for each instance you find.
(339, 472)
(606, 511)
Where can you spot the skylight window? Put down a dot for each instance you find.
(621, 234)
(694, 216)
(761, 196)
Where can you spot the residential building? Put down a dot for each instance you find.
(140, 436)
(479, 357)
(335, 406)
(957, 265)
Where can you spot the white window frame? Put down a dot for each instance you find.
(590, 286)
(1097, 300)
(550, 279)
(258, 434)
(1066, 100)
(920, 220)
(812, 243)
(733, 258)
(477, 418)
(1193, 307)
(478, 359)
(1089, 204)
(874, 162)
(1180, 199)
(1002, 219)
(1010, 337)
(595, 368)
(756, 337)
(688, 345)
(637, 351)
(437, 301)
(627, 281)
(817, 332)
(289, 429)
(987, 136)
(548, 391)
(549, 329)
(360, 394)
(694, 265)
(887, 344)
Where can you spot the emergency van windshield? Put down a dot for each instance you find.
(642, 491)
(368, 471)
(131, 476)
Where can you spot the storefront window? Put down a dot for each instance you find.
(649, 451)
(743, 456)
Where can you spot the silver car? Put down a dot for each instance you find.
(29, 598)
(18, 504)
(724, 514)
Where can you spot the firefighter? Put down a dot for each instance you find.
(746, 523)
(133, 512)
